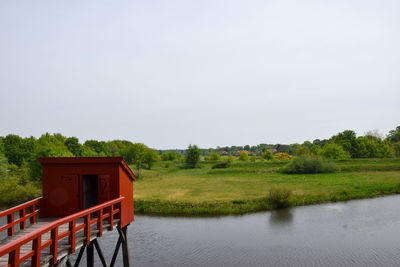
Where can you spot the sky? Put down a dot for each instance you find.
(210, 72)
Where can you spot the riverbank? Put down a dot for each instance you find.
(244, 186)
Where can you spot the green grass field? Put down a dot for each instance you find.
(244, 186)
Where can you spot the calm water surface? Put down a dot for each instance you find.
(356, 233)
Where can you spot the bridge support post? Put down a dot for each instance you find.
(125, 248)
(90, 255)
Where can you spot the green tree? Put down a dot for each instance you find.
(348, 140)
(334, 151)
(72, 143)
(17, 149)
(302, 151)
(315, 150)
(150, 156)
(48, 145)
(192, 156)
(394, 135)
(396, 148)
(135, 154)
(267, 155)
(101, 148)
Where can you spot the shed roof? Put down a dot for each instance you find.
(89, 160)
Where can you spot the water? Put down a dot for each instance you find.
(356, 233)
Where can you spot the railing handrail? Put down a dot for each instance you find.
(19, 207)
(51, 226)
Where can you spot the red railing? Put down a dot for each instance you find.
(109, 210)
(27, 210)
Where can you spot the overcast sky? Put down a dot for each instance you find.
(212, 73)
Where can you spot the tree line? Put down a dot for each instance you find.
(22, 153)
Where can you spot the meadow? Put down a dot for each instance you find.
(169, 189)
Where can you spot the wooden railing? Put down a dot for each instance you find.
(93, 216)
(27, 210)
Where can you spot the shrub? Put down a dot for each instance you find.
(221, 165)
(307, 164)
(215, 156)
(279, 197)
(253, 158)
(283, 156)
(243, 156)
(267, 155)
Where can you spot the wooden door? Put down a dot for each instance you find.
(104, 188)
(64, 197)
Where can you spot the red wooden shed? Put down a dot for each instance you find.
(75, 184)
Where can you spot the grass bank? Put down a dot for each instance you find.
(244, 186)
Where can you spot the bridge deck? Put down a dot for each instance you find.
(63, 247)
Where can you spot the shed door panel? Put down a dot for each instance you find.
(64, 198)
(104, 188)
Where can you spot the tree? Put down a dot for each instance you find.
(48, 145)
(302, 151)
(315, 149)
(17, 149)
(348, 140)
(72, 143)
(267, 155)
(135, 154)
(394, 135)
(192, 156)
(101, 148)
(334, 151)
(396, 148)
(150, 156)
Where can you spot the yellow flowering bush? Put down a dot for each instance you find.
(283, 156)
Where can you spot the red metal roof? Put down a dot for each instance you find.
(89, 160)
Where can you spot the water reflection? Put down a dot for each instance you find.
(281, 218)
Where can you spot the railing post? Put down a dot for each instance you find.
(10, 220)
(71, 239)
(87, 229)
(36, 247)
(100, 223)
(54, 244)
(32, 210)
(13, 258)
(22, 224)
(111, 218)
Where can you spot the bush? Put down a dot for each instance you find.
(243, 156)
(283, 156)
(221, 165)
(267, 155)
(215, 156)
(279, 197)
(309, 164)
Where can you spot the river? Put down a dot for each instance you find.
(355, 233)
